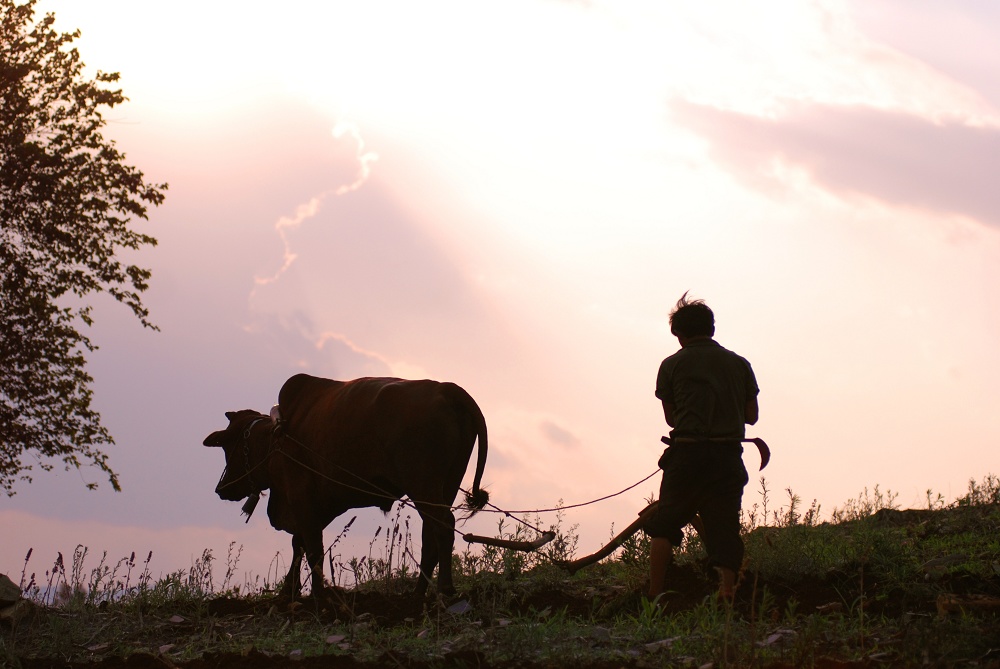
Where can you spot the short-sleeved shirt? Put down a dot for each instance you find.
(709, 387)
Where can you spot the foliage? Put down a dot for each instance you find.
(865, 505)
(67, 198)
(987, 492)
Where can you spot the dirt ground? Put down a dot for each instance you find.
(596, 601)
(260, 661)
(592, 603)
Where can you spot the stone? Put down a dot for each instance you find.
(10, 593)
(955, 604)
(14, 613)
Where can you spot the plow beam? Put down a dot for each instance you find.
(545, 538)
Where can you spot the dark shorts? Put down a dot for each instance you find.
(708, 480)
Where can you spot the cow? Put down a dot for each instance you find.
(329, 446)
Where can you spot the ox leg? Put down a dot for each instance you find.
(293, 582)
(437, 544)
(313, 543)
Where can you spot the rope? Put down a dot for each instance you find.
(404, 502)
(510, 514)
(381, 492)
(376, 491)
(573, 506)
(246, 457)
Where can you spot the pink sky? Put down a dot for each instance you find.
(512, 197)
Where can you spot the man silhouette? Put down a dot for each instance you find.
(709, 395)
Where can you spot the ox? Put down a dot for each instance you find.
(341, 445)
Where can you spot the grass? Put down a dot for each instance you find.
(864, 586)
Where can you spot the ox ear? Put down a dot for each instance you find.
(216, 438)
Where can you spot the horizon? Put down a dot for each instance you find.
(512, 198)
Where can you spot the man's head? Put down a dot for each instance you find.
(691, 318)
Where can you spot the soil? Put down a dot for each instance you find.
(261, 661)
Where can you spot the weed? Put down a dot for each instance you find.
(384, 569)
(865, 505)
(981, 494)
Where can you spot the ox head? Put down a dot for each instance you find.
(239, 479)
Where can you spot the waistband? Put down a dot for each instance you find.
(704, 441)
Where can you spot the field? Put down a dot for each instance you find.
(874, 586)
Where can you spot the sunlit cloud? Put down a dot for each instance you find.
(897, 158)
(282, 227)
(365, 157)
(558, 435)
(396, 368)
(287, 224)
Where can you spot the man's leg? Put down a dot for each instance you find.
(677, 506)
(661, 554)
(721, 516)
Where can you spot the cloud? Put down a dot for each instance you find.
(373, 362)
(897, 158)
(365, 157)
(309, 209)
(558, 435)
(303, 347)
(926, 30)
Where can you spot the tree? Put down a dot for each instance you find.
(67, 199)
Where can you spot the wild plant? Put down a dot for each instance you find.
(337, 567)
(396, 561)
(633, 558)
(651, 616)
(981, 494)
(865, 505)
(563, 547)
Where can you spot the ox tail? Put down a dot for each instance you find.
(477, 498)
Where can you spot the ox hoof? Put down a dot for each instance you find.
(331, 597)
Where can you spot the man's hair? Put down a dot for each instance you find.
(691, 318)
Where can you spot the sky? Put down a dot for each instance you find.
(512, 196)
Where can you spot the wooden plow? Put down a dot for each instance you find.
(545, 538)
(573, 566)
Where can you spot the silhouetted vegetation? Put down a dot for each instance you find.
(67, 201)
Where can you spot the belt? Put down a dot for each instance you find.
(765, 452)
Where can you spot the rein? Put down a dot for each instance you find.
(254, 498)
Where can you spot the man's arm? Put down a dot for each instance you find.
(751, 412)
(668, 413)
